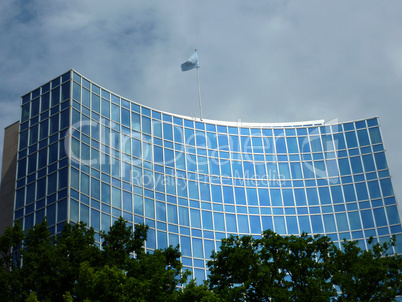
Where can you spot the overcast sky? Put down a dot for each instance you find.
(261, 61)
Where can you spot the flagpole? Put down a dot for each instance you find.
(192, 63)
(199, 93)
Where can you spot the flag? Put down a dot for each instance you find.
(191, 63)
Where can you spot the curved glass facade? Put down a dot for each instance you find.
(87, 154)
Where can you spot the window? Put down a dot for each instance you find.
(393, 216)
(115, 113)
(95, 220)
(56, 95)
(105, 108)
(45, 102)
(22, 166)
(32, 163)
(325, 197)
(315, 142)
(43, 132)
(75, 179)
(329, 223)
(207, 220)
(84, 213)
(279, 222)
(375, 135)
(243, 224)
(356, 164)
(183, 216)
(54, 124)
(386, 187)
(363, 137)
(172, 213)
(304, 223)
(316, 223)
(263, 197)
(337, 196)
(255, 224)
(280, 145)
(35, 107)
(85, 96)
(197, 248)
(351, 139)
(223, 142)
(95, 188)
(367, 218)
(125, 117)
(288, 197)
(33, 135)
(167, 131)
(146, 125)
(149, 208)
(380, 161)
(354, 220)
(231, 223)
(84, 183)
(95, 103)
(185, 246)
(162, 240)
(276, 199)
(291, 223)
(312, 196)
(105, 193)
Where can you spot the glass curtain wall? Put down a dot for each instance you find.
(87, 154)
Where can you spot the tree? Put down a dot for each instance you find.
(198, 293)
(39, 270)
(234, 270)
(157, 274)
(101, 284)
(71, 267)
(148, 276)
(305, 268)
(120, 241)
(273, 268)
(373, 275)
(10, 243)
(75, 245)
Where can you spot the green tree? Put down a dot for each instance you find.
(234, 269)
(10, 242)
(127, 272)
(157, 274)
(39, 272)
(101, 284)
(71, 267)
(305, 268)
(10, 262)
(75, 245)
(51, 264)
(373, 275)
(273, 268)
(120, 241)
(147, 276)
(198, 293)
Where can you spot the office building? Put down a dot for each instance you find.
(88, 154)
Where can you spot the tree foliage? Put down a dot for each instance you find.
(273, 268)
(71, 267)
(35, 266)
(372, 275)
(305, 268)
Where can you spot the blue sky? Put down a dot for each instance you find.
(261, 61)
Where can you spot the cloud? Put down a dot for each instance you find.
(260, 61)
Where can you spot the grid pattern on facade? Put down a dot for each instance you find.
(86, 154)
